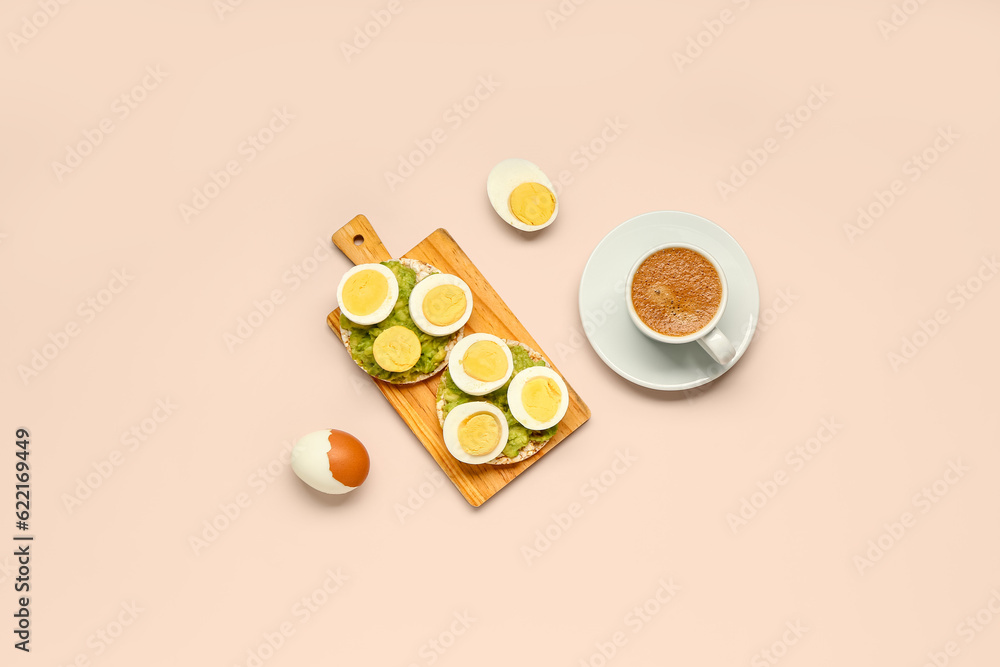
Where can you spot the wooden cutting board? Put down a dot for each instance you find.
(415, 403)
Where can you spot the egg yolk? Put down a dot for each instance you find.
(532, 203)
(541, 397)
(365, 291)
(396, 349)
(444, 305)
(478, 434)
(485, 361)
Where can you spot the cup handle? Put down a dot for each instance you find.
(718, 346)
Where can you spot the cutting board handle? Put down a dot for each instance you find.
(358, 240)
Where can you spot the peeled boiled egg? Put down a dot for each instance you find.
(440, 304)
(475, 432)
(330, 461)
(396, 349)
(538, 398)
(480, 363)
(522, 194)
(367, 293)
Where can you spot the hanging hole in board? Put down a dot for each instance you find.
(359, 239)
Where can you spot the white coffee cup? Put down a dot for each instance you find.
(709, 337)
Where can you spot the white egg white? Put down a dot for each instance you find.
(516, 404)
(466, 382)
(459, 414)
(384, 310)
(311, 464)
(506, 176)
(420, 291)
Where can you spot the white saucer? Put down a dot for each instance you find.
(614, 336)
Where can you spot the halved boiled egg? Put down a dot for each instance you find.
(396, 349)
(475, 432)
(522, 194)
(367, 293)
(480, 363)
(440, 304)
(538, 398)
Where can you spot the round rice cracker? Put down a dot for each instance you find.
(533, 446)
(422, 269)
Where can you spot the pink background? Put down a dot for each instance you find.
(836, 305)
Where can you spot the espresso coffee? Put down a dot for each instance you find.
(676, 291)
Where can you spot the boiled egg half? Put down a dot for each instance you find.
(538, 398)
(475, 432)
(480, 363)
(331, 461)
(440, 304)
(367, 293)
(522, 195)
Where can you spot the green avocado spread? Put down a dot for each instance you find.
(518, 436)
(432, 348)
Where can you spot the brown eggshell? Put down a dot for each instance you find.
(349, 461)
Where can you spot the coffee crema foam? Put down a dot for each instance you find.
(676, 291)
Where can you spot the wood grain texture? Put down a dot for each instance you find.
(415, 403)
